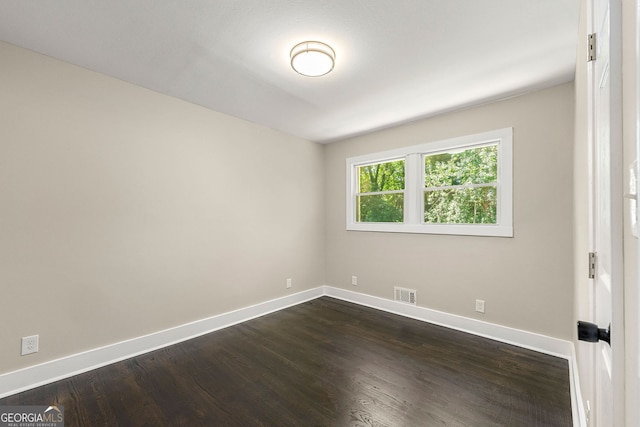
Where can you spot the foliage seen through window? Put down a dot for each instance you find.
(461, 186)
(380, 195)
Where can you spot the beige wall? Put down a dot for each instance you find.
(527, 280)
(124, 212)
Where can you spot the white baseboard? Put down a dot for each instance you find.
(48, 372)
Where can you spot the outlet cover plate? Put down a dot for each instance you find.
(480, 306)
(30, 344)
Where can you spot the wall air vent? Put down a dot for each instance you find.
(405, 295)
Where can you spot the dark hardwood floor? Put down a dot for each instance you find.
(322, 363)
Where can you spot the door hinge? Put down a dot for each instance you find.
(593, 259)
(592, 47)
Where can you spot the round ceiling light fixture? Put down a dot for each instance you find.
(312, 59)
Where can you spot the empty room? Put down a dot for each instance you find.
(335, 213)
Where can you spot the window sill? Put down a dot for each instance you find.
(486, 230)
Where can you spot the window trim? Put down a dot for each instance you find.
(414, 186)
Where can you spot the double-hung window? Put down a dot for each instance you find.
(456, 186)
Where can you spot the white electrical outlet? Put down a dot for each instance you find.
(480, 306)
(354, 280)
(289, 283)
(30, 344)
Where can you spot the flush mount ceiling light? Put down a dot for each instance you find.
(312, 59)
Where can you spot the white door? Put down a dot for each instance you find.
(606, 220)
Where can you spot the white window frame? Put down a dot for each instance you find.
(414, 187)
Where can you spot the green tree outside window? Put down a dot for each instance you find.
(461, 186)
(380, 196)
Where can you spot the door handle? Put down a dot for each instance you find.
(590, 332)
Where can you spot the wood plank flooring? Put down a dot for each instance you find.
(322, 363)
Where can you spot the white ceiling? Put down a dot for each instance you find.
(396, 61)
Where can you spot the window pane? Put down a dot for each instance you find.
(472, 166)
(386, 176)
(461, 206)
(380, 208)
